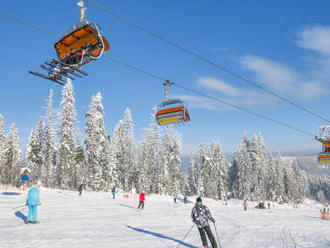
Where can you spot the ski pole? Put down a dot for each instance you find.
(216, 231)
(185, 235)
(19, 207)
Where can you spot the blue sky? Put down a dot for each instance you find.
(283, 45)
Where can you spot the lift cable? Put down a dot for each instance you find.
(195, 54)
(28, 24)
(209, 97)
(175, 84)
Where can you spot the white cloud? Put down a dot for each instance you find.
(219, 85)
(282, 78)
(229, 94)
(315, 38)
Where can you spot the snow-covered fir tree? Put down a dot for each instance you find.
(204, 186)
(146, 169)
(80, 169)
(51, 145)
(2, 144)
(123, 142)
(241, 185)
(271, 179)
(36, 153)
(129, 147)
(193, 176)
(13, 160)
(101, 170)
(68, 120)
(155, 139)
(220, 168)
(279, 184)
(257, 169)
(171, 162)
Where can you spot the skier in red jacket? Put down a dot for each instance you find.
(142, 199)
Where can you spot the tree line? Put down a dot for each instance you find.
(58, 159)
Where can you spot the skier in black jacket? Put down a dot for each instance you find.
(80, 188)
(201, 215)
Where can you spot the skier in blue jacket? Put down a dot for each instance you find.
(33, 200)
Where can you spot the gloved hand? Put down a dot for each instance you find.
(213, 220)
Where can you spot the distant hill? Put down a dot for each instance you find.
(310, 165)
(307, 163)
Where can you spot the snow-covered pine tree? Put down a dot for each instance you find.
(270, 179)
(279, 186)
(116, 144)
(145, 172)
(13, 160)
(32, 155)
(156, 177)
(2, 144)
(80, 169)
(220, 168)
(204, 172)
(123, 142)
(51, 144)
(299, 186)
(192, 176)
(171, 162)
(241, 184)
(66, 142)
(101, 170)
(129, 147)
(41, 172)
(258, 165)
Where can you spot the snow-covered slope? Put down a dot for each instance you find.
(96, 220)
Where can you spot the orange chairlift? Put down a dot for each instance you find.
(172, 111)
(80, 45)
(324, 138)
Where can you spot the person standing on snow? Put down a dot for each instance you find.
(201, 215)
(142, 199)
(113, 191)
(32, 201)
(245, 205)
(80, 189)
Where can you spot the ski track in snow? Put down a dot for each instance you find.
(97, 220)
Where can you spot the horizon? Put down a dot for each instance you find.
(282, 47)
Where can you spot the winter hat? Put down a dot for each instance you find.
(199, 199)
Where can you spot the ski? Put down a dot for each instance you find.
(58, 81)
(70, 66)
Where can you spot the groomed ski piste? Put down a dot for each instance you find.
(94, 219)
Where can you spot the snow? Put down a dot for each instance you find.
(96, 220)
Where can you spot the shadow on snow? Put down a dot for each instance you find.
(19, 214)
(161, 236)
(10, 193)
(124, 205)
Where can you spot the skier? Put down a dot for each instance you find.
(185, 199)
(142, 199)
(33, 200)
(80, 188)
(245, 205)
(201, 215)
(113, 191)
(175, 199)
(268, 205)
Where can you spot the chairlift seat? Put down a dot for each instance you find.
(324, 158)
(172, 115)
(78, 38)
